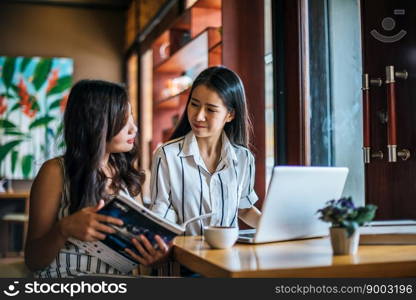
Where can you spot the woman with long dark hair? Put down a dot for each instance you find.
(100, 160)
(207, 166)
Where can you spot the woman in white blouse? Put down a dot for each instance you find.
(207, 166)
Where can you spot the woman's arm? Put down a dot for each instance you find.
(160, 187)
(46, 236)
(247, 212)
(44, 240)
(250, 216)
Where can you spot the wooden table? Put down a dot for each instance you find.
(302, 258)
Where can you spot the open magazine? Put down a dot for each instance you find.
(137, 220)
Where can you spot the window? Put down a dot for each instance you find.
(333, 69)
(269, 102)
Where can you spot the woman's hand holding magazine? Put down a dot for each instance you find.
(88, 225)
(149, 254)
(155, 254)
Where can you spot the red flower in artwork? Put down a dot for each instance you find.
(23, 94)
(53, 80)
(3, 105)
(63, 103)
(25, 102)
(27, 110)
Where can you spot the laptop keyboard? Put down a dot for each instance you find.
(247, 235)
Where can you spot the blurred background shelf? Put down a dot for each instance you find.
(191, 44)
(173, 102)
(14, 217)
(193, 53)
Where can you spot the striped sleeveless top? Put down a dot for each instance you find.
(71, 260)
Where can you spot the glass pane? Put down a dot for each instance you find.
(268, 58)
(132, 64)
(146, 109)
(335, 68)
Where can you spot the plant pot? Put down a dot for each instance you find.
(342, 243)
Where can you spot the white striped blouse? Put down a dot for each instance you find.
(182, 187)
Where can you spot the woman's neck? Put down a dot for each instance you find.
(104, 165)
(209, 146)
(104, 160)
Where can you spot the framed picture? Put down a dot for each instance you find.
(33, 95)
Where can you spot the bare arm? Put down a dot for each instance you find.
(44, 240)
(46, 236)
(250, 216)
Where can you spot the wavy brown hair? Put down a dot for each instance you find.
(96, 112)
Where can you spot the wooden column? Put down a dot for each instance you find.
(243, 52)
(294, 89)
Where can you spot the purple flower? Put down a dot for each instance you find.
(346, 202)
(343, 213)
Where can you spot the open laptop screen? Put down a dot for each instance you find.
(294, 195)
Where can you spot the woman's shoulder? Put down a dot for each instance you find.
(50, 175)
(171, 147)
(52, 167)
(242, 152)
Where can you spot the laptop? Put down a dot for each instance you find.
(293, 197)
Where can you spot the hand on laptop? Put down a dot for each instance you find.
(250, 216)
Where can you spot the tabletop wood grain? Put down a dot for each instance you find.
(302, 258)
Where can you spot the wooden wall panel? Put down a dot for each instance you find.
(243, 52)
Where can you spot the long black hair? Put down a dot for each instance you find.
(96, 111)
(228, 85)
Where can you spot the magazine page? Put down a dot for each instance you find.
(123, 263)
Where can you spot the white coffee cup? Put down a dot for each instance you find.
(220, 237)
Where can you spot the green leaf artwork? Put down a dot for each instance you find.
(6, 124)
(24, 64)
(62, 84)
(14, 107)
(15, 156)
(43, 121)
(42, 70)
(6, 148)
(33, 93)
(55, 104)
(27, 162)
(8, 71)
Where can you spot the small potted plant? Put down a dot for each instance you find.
(345, 218)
